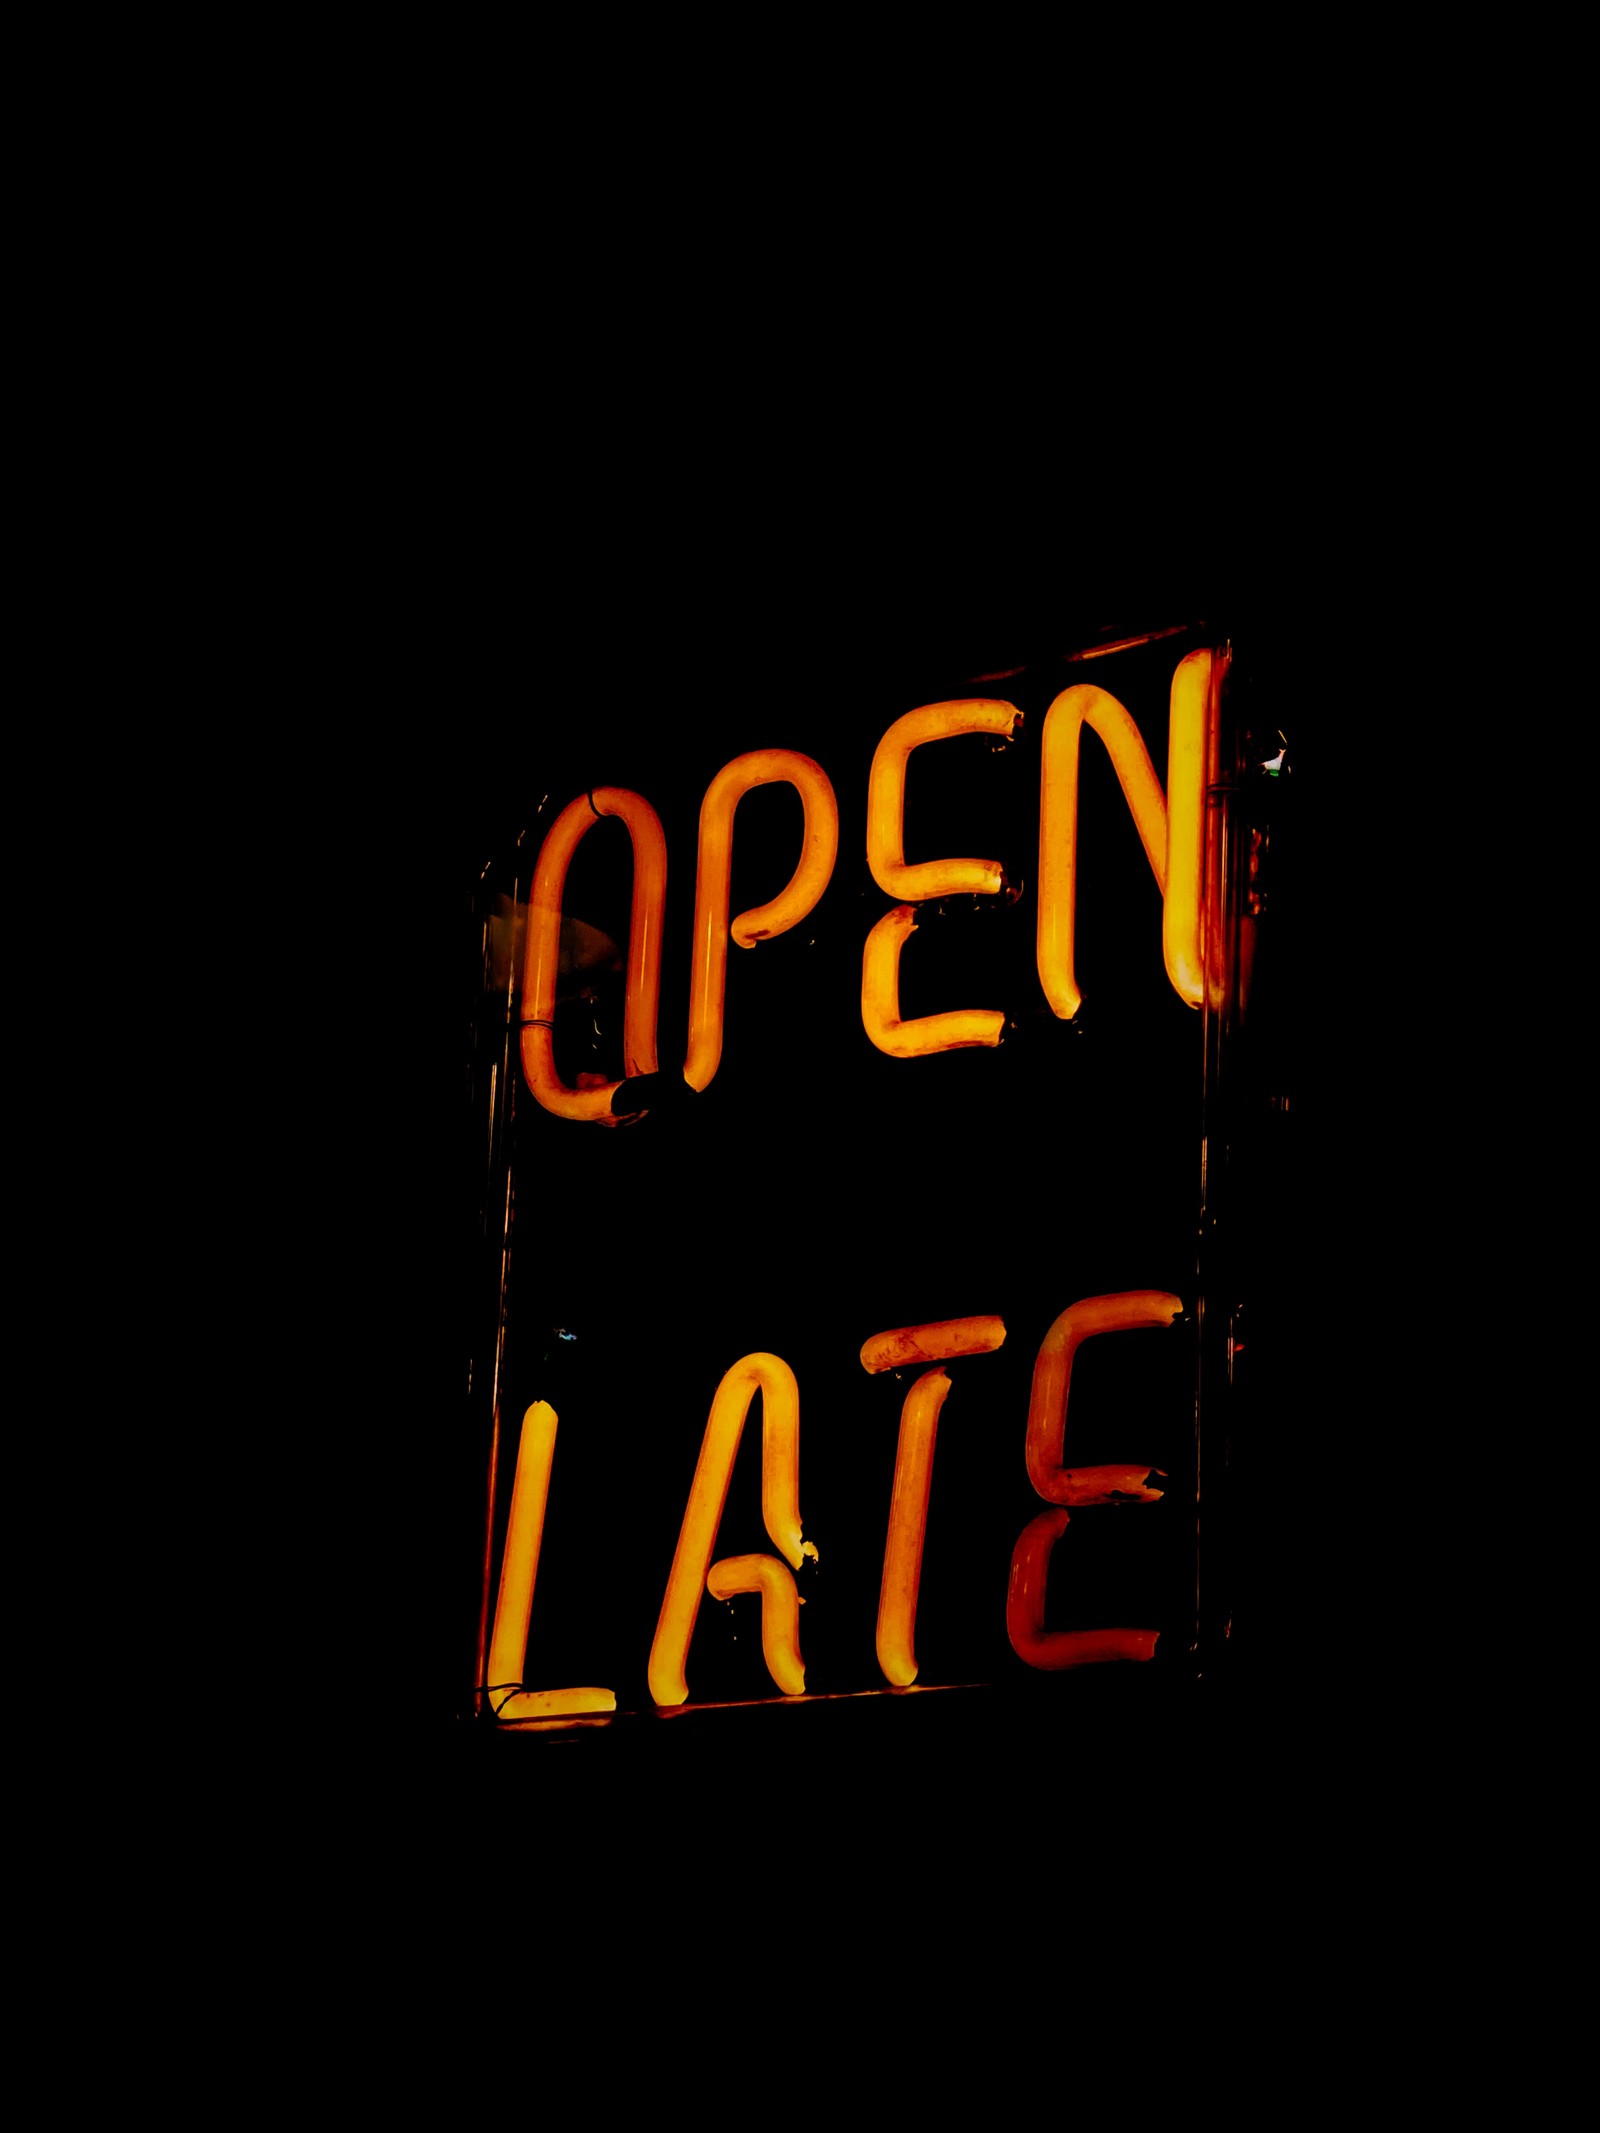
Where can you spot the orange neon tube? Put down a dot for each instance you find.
(771, 1376)
(819, 848)
(508, 1646)
(886, 802)
(643, 983)
(780, 1612)
(1052, 1380)
(1051, 1650)
(880, 1000)
(908, 1526)
(908, 1346)
(1188, 753)
(1085, 705)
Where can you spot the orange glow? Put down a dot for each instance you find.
(907, 1346)
(908, 1525)
(1172, 828)
(1126, 644)
(1187, 734)
(1083, 704)
(886, 802)
(819, 848)
(1052, 1379)
(519, 1566)
(1057, 1484)
(771, 1376)
(880, 1000)
(1052, 1649)
(780, 1612)
(643, 992)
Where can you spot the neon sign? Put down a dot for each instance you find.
(750, 1244)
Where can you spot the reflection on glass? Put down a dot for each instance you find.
(780, 1612)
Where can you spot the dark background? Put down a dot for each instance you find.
(495, 673)
(590, 704)
(452, 552)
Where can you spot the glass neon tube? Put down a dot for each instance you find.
(886, 802)
(780, 1612)
(880, 1000)
(1052, 1380)
(938, 1342)
(1050, 1650)
(643, 982)
(908, 1526)
(1085, 705)
(771, 1376)
(819, 848)
(1188, 775)
(519, 1565)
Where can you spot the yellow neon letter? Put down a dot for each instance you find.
(913, 1470)
(519, 1566)
(1084, 704)
(1052, 1380)
(908, 1525)
(886, 803)
(880, 961)
(818, 850)
(1171, 828)
(880, 1000)
(771, 1376)
(936, 1343)
(1188, 773)
(1053, 1649)
(780, 1612)
(544, 949)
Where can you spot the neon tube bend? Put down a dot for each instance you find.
(780, 1612)
(708, 1492)
(880, 1000)
(1050, 1650)
(819, 849)
(1052, 1380)
(886, 802)
(519, 1566)
(543, 959)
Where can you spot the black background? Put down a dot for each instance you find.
(635, 699)
(512, 501)
(497, 678)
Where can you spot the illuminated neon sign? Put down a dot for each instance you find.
(648, 1450)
